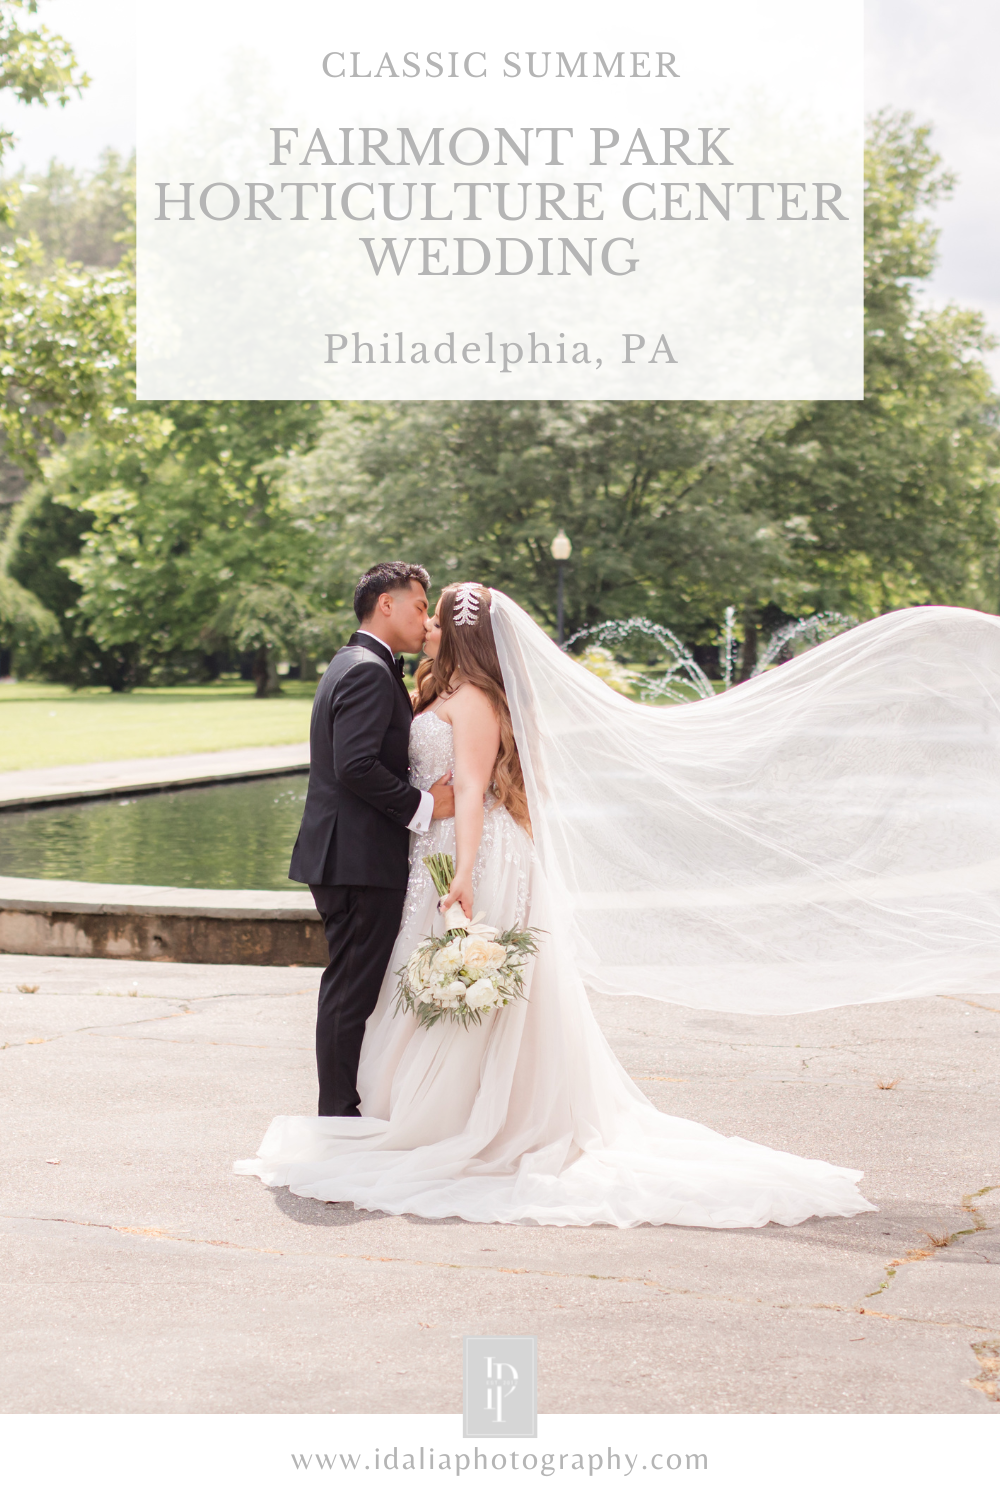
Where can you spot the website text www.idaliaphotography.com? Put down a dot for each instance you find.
(424, 1460)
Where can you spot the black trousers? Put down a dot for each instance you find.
(361, 924)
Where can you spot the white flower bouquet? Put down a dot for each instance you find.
(469, 971)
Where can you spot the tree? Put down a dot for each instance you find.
(66, 350)
(173, 512)
(149, 516)
(65, 333)
(25, 623)
(36, 65)
(652, 495)
(64, 337)
(894, 500)
(84, 218)
(271, 620)
(41, 533)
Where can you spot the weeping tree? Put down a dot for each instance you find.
(25, 624)
(274, 622)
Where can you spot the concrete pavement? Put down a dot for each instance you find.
(140, 1275)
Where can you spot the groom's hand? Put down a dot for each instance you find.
(444, 797)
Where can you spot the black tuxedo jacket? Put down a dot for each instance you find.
(359, 801)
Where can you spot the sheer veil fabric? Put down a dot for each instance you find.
(827, 833)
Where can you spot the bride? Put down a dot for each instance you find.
(825, 834)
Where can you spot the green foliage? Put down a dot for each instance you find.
(86, 219)
(43, 536)
(653, 495)
(676, 509)
(66, 350)
(441, 869)
(24, 620)
(173, 513)
(894, 500)
(36, 65)
(271, 620)
(66, 333)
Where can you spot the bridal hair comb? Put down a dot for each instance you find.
(465, 610)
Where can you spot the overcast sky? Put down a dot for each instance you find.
(934, 57)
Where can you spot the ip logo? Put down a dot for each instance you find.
(500, 1385)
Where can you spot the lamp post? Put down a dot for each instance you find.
(561, 549)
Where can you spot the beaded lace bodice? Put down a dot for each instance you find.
(432, 753)
(432, 750)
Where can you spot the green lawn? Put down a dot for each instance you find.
(44, 724)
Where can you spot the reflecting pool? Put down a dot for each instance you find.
(234, 836)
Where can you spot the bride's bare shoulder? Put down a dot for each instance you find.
(469, 705)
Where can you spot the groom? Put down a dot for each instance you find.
(352, 848)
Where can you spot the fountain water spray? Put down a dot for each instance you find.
(802, 633)
(682, 676)
(727, 650)
(681, 667)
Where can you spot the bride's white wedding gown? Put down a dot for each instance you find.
(530, 1116)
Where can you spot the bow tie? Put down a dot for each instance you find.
(400, 668)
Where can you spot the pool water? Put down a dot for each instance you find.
(234, 836)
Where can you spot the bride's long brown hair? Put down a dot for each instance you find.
(469, 651)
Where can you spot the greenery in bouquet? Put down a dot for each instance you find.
(469, 971)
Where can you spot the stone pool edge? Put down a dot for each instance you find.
(163, 773)
(168, 924)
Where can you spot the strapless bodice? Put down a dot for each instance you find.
(503, 845)
(432, 750)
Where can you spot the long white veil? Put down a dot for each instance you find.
(825, 834)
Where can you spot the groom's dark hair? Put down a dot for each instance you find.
(385, 578)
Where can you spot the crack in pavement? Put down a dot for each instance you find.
(977, 1004)
(97, 1026)
(988, 1383)
(446, 1265)
(987, 1352)
(928, 1251)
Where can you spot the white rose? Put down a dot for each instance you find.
(446, 961)
(480, 955)
(481, 995)
(450, 995)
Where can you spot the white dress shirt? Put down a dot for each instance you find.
(421, 820)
